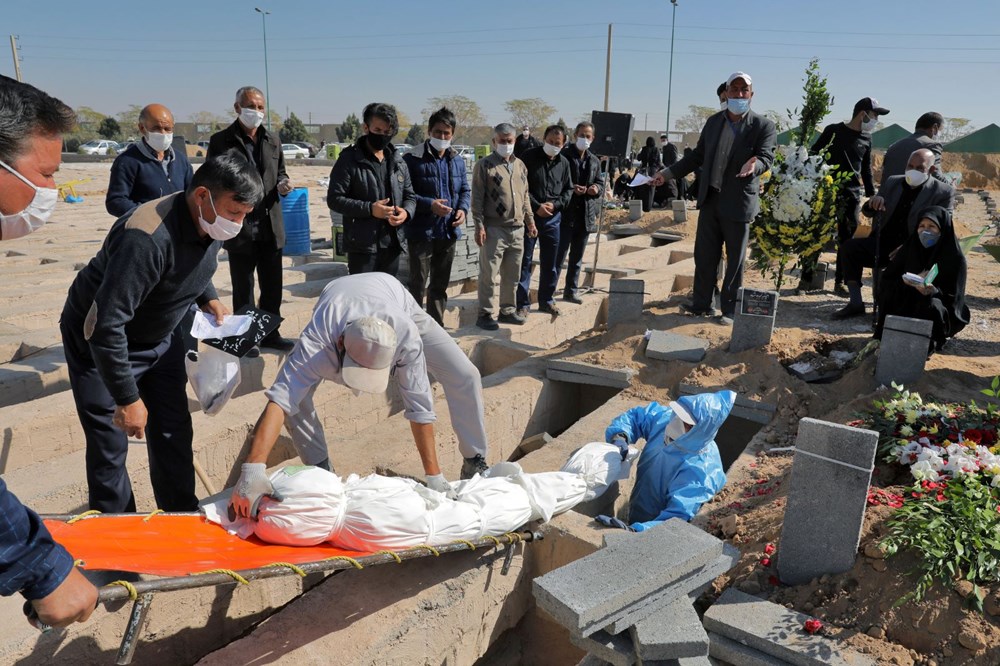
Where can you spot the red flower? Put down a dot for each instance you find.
(973, 435)
(813, 626)
(769, 548)
(761, 481)
(773, 580)
(765, 561)
(940, 497)
(917, 495)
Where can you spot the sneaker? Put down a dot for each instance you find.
(522, 313)
(472, 466)
(487, 323)
(549, 308)
(511, 318)
(571, 297)
(697, 312)
(840, 290)
(725, 320)
(279, 343)
(849, 311)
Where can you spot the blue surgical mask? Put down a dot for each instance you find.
(738, 106)
(929, 238)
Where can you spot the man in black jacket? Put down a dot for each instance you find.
(525, 142)
(579, 219)
(122, 336)
(925, 134)
(549, 190)
(258, 245)
(850, 148)
(370, 186)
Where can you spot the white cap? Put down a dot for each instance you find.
(682, 414)
(369, 346)
(739, 75)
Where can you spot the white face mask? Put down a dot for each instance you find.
(440, 144)
(34, 216)
(505, 149)
(251, 118)
(868, 126)
(222, 229)
(160, 142)
(675, 429)
(915, 178)
(582, 143)
(526, 134)
(551, 150)
(724, 105)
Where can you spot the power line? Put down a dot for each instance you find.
(751, 56)
(820, 32)
(836, 46)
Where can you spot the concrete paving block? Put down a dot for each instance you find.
(753, 321)
(667, 346)
(776, 631)
(691, 586)
(620, 374)
(581, 378)
(903, 350)
(588, 594)
(534, 443)
(827, 497)
(625, 300)
(734, 652)
(617, 650)
(671, 633)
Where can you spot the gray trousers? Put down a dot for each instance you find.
(712, 233)
(448, 364)
(501, 253)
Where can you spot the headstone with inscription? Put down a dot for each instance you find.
(263, 323)
(753, 321)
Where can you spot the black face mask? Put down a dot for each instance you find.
(377, 142)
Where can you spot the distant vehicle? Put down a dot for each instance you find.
(203, 144)
(403, 148)
(293, 151)
(467, 153)
(308, 146)
(100, 147)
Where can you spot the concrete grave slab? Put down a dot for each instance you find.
(744, 407)
(670, 633)
(734, 652)
(625, 300)
(903, 350)
(620, 374)
(776, 631)
(665, 238)
(753, 321)
(583, 378)
(827, 497)
(585, 597)
(667, 346)
(617, 650)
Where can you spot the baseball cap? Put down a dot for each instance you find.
(682, 413)
(739, 75)
(869, 104)
(369, 347)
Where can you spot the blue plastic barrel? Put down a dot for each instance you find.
(295, 211)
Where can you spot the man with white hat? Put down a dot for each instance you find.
(364, 328)
(734, 149)
(679, 468)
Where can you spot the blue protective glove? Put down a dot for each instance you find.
(622, 444)
(611, 521)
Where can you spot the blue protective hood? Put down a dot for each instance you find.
(710, 411)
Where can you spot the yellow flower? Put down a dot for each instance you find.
(911, 416)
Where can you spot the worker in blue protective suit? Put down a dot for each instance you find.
(679, 468)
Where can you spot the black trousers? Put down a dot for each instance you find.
(431, 259)
(714, 232)
(573, 236)
(264, 258)
(386, 260)
(859, 253)
(162, 380)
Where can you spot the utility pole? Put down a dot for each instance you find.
(670, 80)
(17, 59)
(267, 85)
(607, 72)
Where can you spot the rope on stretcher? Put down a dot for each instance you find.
(133, 594)
(288, 565)
(229, 572)
(390, 554)
(431, 549)
(354, 563)
(146, 519)
(496, 541)
(81, 516)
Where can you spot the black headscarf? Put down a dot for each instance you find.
(913, 257)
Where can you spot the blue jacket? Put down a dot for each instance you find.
(30, 561)
(137, 178)
(673, 480)
(425, 175)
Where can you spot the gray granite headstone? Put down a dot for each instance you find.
(753, 321)
(827, 496)
(679, 210)
(903, 350)
(625, 299)
(635, 209)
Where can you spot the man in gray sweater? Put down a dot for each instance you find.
(501, 209)
(120, 329)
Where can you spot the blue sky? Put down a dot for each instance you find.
(913, 57)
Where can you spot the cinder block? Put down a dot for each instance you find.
(581, 378)
(625, 300)
(776, 631)
(734, 652)
(671, 633)
(827, 497)
(590, 369)
(667, 346)
(588, 595)
(903, 350)
(617, 650)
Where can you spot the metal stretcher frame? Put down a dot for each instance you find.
(141, 592)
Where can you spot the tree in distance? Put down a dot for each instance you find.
(109, 128)
(533, 112)
(349, 130)
(416, 135)
(293, 129)
(694, 119)
(467, 112)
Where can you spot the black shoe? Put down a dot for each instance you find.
(549, 308)
(472, 466)
(511, 318)
(849, 311)
(254, 352)
(697, 312)
(487, 323)
(840, 290)
(571, 297)
(279, 343)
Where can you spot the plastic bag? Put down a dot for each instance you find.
(600, 465)
(214, 376)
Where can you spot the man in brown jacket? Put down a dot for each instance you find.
(501, 210)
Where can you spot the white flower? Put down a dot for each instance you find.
(924, 471)
(908, 454)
